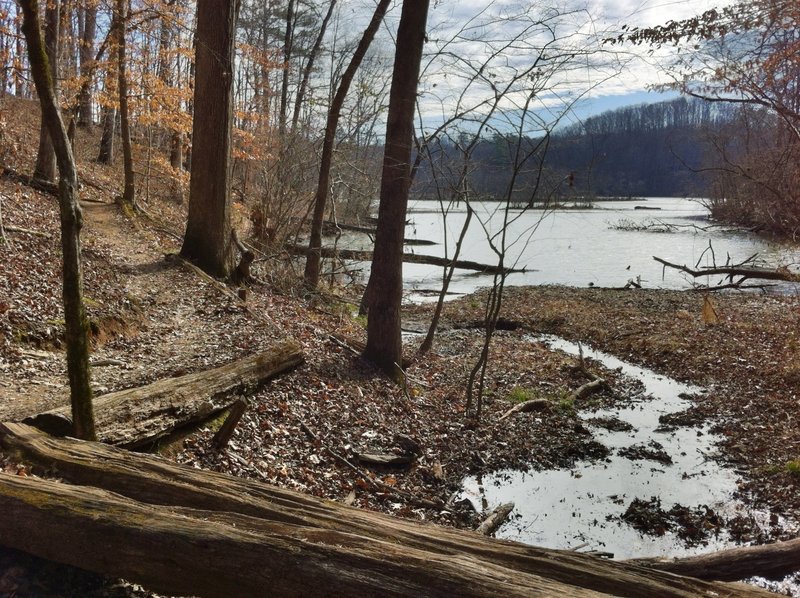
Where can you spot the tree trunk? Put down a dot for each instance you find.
(89, 18)
(139, 416)
(384, 346)
(208, 241)
(231, 536)
(129, 192)
(106, 154)
(77, 325)
(45, 169)
(313, 259)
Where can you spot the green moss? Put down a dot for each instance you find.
(88, 301)
(793, 467)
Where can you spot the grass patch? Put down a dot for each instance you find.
(520, 394)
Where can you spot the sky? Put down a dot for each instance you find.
(465, 34)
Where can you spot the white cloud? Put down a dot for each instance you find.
(472, 35)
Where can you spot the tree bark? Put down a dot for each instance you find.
(207, 241)
(232, 536)
(139, 416)
(77, 325)
(288, 43)
(106, 153)
(45, 168)
(384, 346)
(313, 258)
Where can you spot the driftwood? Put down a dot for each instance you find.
(746, 272)
(414, 258)
(139, 416)
(385, 459)
(495, 519)
(528, 406)
(589, 388)
(773, 561)
(179, 530)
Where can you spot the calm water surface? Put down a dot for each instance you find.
(582, 247)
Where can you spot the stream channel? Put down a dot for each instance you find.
(581, 508)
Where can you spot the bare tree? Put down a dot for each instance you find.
(311, 274)
(77, 325)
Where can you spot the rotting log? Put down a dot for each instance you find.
(328, 539)
(138, 416)
(773, 561)
(214, 554)
(413, 258)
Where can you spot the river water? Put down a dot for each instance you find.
(581, 247)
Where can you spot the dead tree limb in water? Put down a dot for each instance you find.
(413, 258)
(746, 272)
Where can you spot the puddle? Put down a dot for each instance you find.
(582, 507)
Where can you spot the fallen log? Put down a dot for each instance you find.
(214, 554)
(139, 416)
(369, 542)
(413, 258)
(744, 271)
(38, 184)
(773, 561)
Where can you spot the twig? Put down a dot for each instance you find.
(373, 482)
(26, 231)
(104, 362)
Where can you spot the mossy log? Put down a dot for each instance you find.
(179, 530)
(139, 416)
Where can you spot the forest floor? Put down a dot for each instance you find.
(153, 318)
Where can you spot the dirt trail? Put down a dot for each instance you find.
(151, 318)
